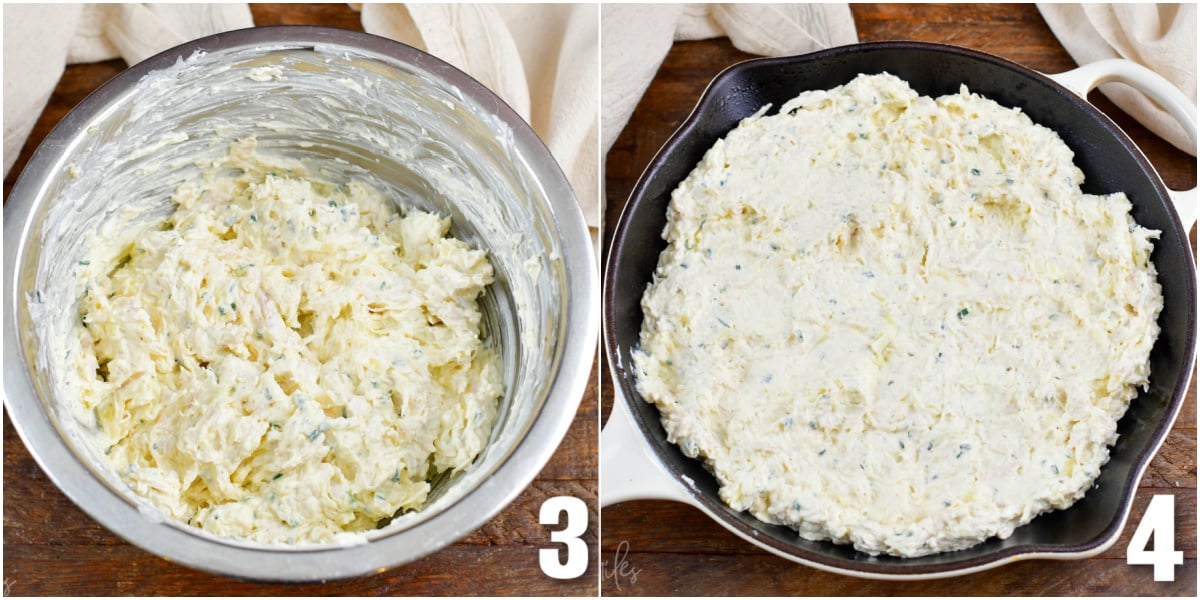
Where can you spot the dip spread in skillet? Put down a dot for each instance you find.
(285, 359)
(896, 322)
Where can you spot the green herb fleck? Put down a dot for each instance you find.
(277, 476)
(221, 309)
(312, 436)
(975, 172)
(85, 262)
(962, 313)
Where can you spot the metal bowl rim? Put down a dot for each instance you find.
(327, 561)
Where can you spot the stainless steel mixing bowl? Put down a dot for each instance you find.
(349, 106)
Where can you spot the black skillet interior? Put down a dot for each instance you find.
(1110, 163)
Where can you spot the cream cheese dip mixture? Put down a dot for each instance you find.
(896, 322)
(285, 359)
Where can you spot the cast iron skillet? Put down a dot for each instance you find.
(1110, 162)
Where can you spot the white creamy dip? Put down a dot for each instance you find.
(285, 359)
(897, 322)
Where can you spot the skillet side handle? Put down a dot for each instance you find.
(1157, 88)
(629, 470)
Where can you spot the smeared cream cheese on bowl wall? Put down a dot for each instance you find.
(894, 321)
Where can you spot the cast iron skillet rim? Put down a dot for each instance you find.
(719, 510)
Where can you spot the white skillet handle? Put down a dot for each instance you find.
(629, 469)
(1083, 79)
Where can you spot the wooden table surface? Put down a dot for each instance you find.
(675, 550)
(52, 548)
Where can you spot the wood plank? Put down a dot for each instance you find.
(662, 574)
(125, 570)
(672, 527)
(328, 15)
(1175, 464)
(1015, 32)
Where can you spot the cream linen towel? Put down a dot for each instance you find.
(543, 60)
(40, 39)
(1161, 37)
(636, 38)
(36, 41)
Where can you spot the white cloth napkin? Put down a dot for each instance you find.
(636, 38)
(541, 59)
(40, 39)
(1161, 37)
